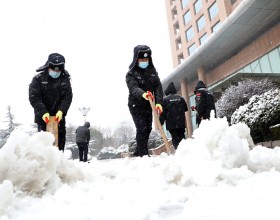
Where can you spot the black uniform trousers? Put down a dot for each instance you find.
(143, 123)
(177, 135)
(61, 133)
(83, 151)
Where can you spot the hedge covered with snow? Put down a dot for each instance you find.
(261, 112)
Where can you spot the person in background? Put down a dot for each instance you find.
(204, 102)
(143, 82)
(82, 140)
(174, 108)
(50, 94)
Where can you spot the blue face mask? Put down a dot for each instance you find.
(143, 65)
(54, 74)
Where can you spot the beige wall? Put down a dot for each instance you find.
(262, 45)
(225, 9)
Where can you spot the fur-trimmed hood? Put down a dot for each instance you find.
(138, 51)
(54, 58)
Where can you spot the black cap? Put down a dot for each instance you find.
(55, 61)
(200, 84)
(142, 54)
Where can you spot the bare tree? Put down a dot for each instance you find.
(70, 133)
(5, 133)
(107, 132)
(123, 133)
(10, 119)
(96, 141)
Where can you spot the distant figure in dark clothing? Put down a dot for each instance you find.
(174, 108)
(143, 82)
(204, 102)
(50, 94)
(82, 140)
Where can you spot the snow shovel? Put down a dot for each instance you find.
(52, 127)
(155, 113)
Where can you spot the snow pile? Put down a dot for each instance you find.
(216, 174)
(122, 148)
(32, 164)
(264, 159)
(215, 146)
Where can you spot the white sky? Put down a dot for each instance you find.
(214, 176)
(97, 39)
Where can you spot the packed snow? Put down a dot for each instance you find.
(218, 174)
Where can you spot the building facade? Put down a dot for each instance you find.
(221, 42)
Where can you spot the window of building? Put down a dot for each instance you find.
(256, 67)
(202, 39)
(197, 6)
(265, 65)
(178, 43)
(247, 69)
(193, 113)
(174, 13)
(187, 17)
(189, 34)
(191, 49)
(232, 1)
(184, 3)
(180, 58)
(176, 28)
(213, 11)
(216, 26)
(200, 23)
(274, 58)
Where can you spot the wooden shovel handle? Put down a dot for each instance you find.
(52, 127)
(155, 113)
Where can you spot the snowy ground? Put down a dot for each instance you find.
(214, 176)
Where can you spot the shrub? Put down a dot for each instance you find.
(236, 96)
(261, 112)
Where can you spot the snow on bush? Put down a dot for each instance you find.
(155, 140)
(260, 113)
(236, 96)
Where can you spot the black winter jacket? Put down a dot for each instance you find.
(50, 95)
(204, 101)
(140, 81)
(174, 108)
(83, 133)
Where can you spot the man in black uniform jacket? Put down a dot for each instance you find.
(204, 102)
(50, 94)
(143, 81)
(174, 108)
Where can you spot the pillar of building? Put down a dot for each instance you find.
(201, 74)
(185, 94)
